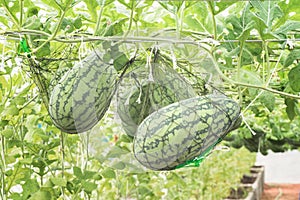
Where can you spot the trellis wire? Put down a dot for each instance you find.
(80, 38)
(199, 43)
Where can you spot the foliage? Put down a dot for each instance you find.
(256, 61)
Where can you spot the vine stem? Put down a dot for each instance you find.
(267, 61)
(268, 82)
(99, 17)
(62, 136)
(13, 18)
(239, 71)
(213, 18)
(3, 166)
(172, 41)
(54, 34)
(131, 19)
(21, 12)
(79, 38)
(264, 87)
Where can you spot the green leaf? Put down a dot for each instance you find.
(92, 7)
(11, 110)
(19, 100)
(29, 187)
(59, 181)
(119, 165)
(7, 133)
(77, 22)
(120, 61)
(44, 51)
(89, 174)
(125, 138)
(290, 109)
(53, 4)
(77, 172)
(144, 190)
(33, 23)
(266, 11)
(16, 196)
(97, 176)
(294, 78)
(288, 26)
(194, 23)
(268, 100)
(108, 173)
(88, 186)
(38, 133)
(67, 25)
(221, 6)
(199, 18)
(32, 11)
(293, 55)
(3, 122)
(117, 151)
(289, 7)
(27, 161)
(41, 195)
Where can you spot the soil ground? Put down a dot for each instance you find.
(281, 192)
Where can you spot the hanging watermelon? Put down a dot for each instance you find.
(184, 130)
(83, 94)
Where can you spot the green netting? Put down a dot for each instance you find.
(147, 89)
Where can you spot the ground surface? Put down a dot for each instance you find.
(281, 192)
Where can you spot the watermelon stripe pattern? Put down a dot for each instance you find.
(183, 130)
(83, 95)
(137, 102)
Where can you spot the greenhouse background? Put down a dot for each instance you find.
(144, 99)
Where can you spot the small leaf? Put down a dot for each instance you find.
(294, 78)
(266, 11)
(19, 100)
(89, 174)
(29, 187)
(7, 133)
(41, 195)
(77, 22)
(294, 55)
(268, 100)
(32, 11)
(33, 23)
(44, 51)
(120, 61)
(3, 122)
(287, 27)
(119, 165)
(97, 176)
(11, 110)
(77, 172)
(59, 181)
(26, 161)
(144, 190)
(108, 173)
(125, 138)
(290, 108)
(92, 7)
(89, 187)
(117, 151)
(38, 133)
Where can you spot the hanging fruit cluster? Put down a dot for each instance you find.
(170, 124)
